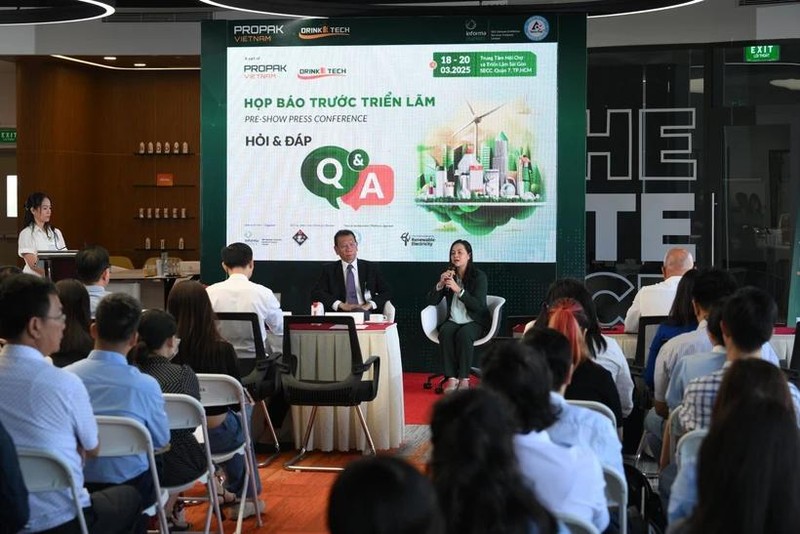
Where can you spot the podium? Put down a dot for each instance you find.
(58, 264)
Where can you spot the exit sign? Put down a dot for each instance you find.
(8, 135)
(759, 53)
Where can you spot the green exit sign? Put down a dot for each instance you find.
(759, 53)
(8, 135)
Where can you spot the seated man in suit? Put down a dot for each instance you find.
(350, 284)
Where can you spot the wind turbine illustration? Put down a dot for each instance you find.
(476, 119)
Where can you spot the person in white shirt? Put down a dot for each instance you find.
(37, 233)
(656, 299)
(93, 269)
(565, 479)
(239, 294)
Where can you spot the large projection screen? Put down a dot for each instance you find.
(410, 132)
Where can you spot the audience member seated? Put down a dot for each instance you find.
(386, 495)
(574, 425)
(687, 369)
(566, 479)
(681, 319)
(747, 321)
(656, 299)
(475, 470)
(464, 286)
(185, 459)
(745, 478)
(604, 350)
(14, 509)
(93, 267)
(589, 380)
(116, 388)
(239, 294)
(76, 343)
(44, 407)
(204, 350)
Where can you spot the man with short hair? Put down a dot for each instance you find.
(574, 425)
(656, 299)
(747, 322)
(565, 479)
(44, 407)
(93, 268)
(239, 294)
(116, 388)
(351, 284)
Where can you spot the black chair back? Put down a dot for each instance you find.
(243, 331)
(647, 330)
(794, 363)
(291, 320)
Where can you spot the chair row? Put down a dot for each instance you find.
(123, 436)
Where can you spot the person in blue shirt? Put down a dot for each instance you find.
(681, 319)
(117, 388)
(574, 425)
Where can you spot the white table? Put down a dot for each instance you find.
(339, 428)
(781, 343)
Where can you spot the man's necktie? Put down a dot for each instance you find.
(350, 286)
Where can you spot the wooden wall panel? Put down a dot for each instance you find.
(79, 129)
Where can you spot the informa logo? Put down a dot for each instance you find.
(319, 32)
(331, 172)
(300, 237)
(321, 72)
(537, 28)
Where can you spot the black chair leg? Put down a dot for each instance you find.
(277, 452)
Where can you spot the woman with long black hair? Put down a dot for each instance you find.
(464, 286)
(37, 233)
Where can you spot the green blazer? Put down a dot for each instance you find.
(474, 299)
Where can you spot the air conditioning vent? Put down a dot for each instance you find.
(766, 2)
(154, 16)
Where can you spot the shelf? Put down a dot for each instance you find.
(163, 186)
(170, 219)
(171, 154)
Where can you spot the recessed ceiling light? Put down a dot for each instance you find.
(110, 58)
(51, 12)
(140, 64)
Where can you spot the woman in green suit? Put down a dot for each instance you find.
(468, 318)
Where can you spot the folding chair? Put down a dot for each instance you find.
(186, 413)
(123, 436)
(243, 331)
(350, 390)
(223, 390)
(597, 407)
(617, 496)
(689, 444)
(577, 525)
(432, 316)
(45, 471)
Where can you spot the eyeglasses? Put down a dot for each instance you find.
(60, 318)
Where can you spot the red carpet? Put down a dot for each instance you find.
(418, 401)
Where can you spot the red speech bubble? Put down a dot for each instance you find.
(375, 187)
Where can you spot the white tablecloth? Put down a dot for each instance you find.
(781, 343)
(339, 428)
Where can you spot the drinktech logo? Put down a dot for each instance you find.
(321, 72)
(320, 32)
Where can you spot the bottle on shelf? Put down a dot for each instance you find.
(158, 213)
(141, 147)
(166, 213)
(175, 148)
(167, 148)
(183, 213)
(163, 244)
(180, 243)
(174, 213)
(147, 243)
(185, 148)
(149, 147)
(158, 147)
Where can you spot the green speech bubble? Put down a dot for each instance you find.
(326, 173)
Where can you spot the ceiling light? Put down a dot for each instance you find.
(642, 11)
(112, 67)
(140, 64)
(793, 84)
(56, 12)
(110, 58)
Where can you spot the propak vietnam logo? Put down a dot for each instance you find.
(320, 32)
(263, 70)
(321, 72)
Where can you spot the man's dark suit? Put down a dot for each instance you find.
(330, 286)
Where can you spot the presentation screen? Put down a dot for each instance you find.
(411, 132)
